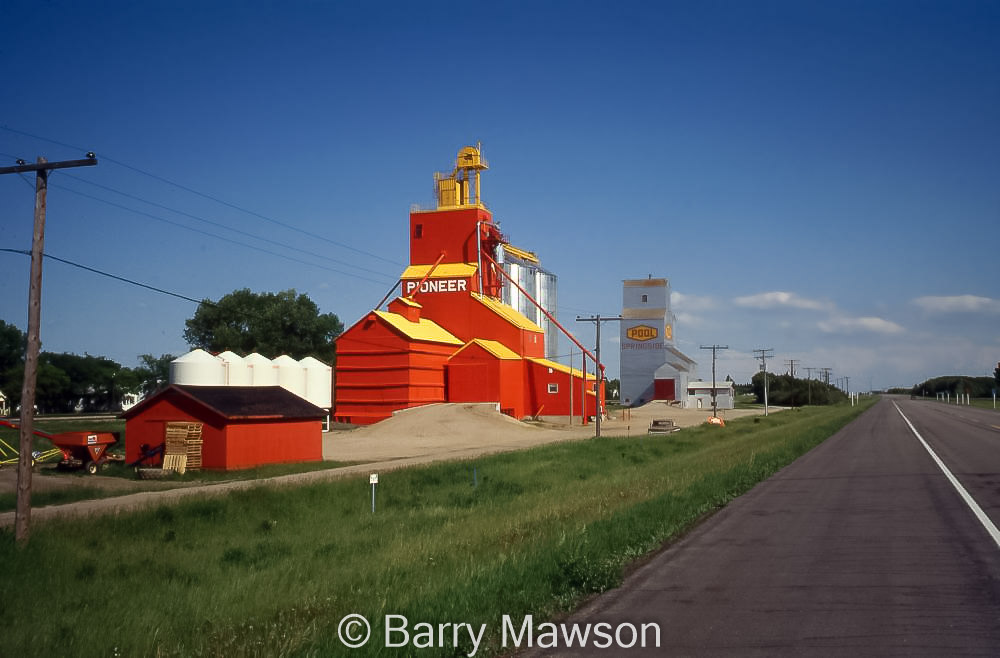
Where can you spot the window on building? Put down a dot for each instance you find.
(645, 298)
(553, 388)
(418, 231)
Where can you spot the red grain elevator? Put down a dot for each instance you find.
(448, 337)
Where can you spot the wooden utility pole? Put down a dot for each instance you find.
(598, 369)
(763, 355)
(715, 401)
(22, 518)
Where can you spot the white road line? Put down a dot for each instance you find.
(991, 529)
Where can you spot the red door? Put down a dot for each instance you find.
(663, 389)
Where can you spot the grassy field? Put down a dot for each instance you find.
(82, 490)
(982, 403)
(271, 572)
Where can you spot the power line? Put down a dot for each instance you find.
(113, 276)
(221, 237)
(210, 198)
(211, 222)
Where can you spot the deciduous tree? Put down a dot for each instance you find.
(12, 343)
(268, 323)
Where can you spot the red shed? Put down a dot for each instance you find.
(243, 426)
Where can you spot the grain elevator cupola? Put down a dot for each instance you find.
(461, 186)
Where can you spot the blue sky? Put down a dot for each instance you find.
(816, 178)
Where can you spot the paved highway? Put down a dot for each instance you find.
(863, 547)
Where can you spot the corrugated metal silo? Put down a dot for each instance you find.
(318, 381)
(198, 368)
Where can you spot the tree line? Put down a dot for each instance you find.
(243, 321)
(976, 387)
(788, 391)
(70, 382)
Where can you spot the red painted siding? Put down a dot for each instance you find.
(380, 371)
(226, 445)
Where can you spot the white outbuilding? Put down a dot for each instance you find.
(699, 395)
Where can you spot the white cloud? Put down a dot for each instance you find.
(869, 324)
(958, 304)
(689, 320)
(777, 298)
(690, 303)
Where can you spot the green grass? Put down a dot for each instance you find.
(121, 470)
(8, 501)
(984, 403)
(84, 491)
(270, 572)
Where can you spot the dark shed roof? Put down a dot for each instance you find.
(241, 402)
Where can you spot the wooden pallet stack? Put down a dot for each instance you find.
(182, 446)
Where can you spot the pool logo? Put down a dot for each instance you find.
(642, 332)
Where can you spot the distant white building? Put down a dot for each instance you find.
(652, 368)
(699, 395)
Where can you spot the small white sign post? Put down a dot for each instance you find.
(373, 480)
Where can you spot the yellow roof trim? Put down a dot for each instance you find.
(496, 348)
(409, 302)
(508, 313)
(426, 330)
(521, 253)
(444, 270)
(561, 368)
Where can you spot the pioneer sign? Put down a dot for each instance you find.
(437, 285)
(642, 332)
